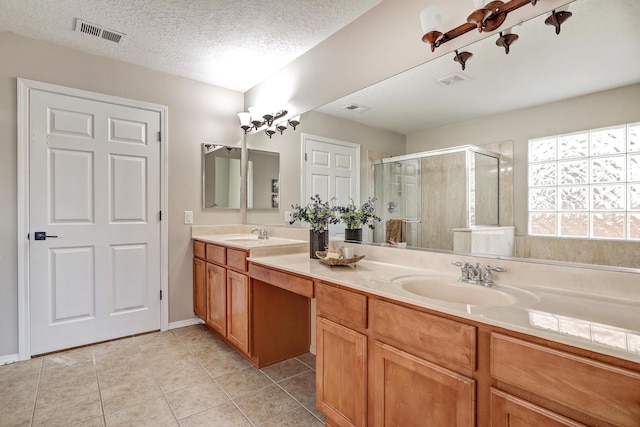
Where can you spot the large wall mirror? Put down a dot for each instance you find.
(548, 84)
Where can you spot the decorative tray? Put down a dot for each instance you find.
(322, 256)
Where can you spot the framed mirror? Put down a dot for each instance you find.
(221, 176)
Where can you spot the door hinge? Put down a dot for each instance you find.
(160, 215)
(160, 294)
(159, 136)
(305, 157)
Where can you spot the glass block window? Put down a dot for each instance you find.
(586, 184)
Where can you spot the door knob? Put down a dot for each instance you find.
(42, 235)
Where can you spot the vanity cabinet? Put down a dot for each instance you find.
(222, 297)
(436, 356)
(216, 316)
(280, 315)
(384, 364)
(238, 310)
(200, 287)
(585, 389)
(341, 356)
(264, 313)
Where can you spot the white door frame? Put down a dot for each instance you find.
(24, 87)
(303, 150)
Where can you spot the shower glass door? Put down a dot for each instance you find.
(398, 197)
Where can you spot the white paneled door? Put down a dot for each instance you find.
(331, 169)
(94, 221)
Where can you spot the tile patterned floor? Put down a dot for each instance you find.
(187, 377)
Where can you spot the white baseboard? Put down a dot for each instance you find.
(184, 323)
(9, 358)
(312, 349)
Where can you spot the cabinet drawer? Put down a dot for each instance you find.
(285, 281)
(450, 341)
(605, 392)
(217, 254)
(237, 259)
(510, 411)
(199, 249)
(347, 307)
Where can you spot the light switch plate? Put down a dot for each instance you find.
(188, 217)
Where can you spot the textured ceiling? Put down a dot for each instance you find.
(229, 43)
(597, 49)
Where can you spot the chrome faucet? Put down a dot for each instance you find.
(488, 275)
(473, 274)
(263, 233)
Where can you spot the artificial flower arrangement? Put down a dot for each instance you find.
(317, 214)
(355, 217)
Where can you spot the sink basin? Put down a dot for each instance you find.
(462, 293)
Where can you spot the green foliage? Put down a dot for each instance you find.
(317, 214)
(355, 217)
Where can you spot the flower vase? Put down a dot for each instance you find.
(318, 241)
(353, 235)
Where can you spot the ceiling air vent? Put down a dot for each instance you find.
(452, 79)
(98, 31)
(355, 107)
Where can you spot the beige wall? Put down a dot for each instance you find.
(289, 147)
(197, 112)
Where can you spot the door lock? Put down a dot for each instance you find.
(42, 235)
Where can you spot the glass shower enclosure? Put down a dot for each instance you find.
(423, 197)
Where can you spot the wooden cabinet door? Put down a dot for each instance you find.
(238, 310)
(200, 288)
(217, 298)
(409, 391)
(598, 390)
(341, 374)
(510, 411)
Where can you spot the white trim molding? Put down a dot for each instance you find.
(24, 88)
(9, 358)
(185, 323)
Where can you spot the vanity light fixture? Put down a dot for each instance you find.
(558, 17)
(462, 58)
(484, 18)
(210, 147)
(256, 120)
(506, 39)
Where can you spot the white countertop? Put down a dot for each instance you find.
(600, 323)
(281, 240)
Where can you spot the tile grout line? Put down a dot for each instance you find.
(273, 382)
(218, 384)
(95, 369)
(164, 395)
(155, 378)
(293, 397)
(35, 397)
